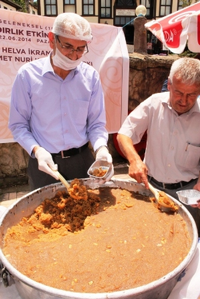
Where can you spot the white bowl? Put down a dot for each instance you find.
(189, 197)
(104, 165)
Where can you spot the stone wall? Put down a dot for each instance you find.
(147, 74)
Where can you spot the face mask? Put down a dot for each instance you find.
(64, 62)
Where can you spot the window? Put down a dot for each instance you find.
(146, 3)
(124, 12)
(121, 21)
(179, 4)
(126, 3)
(88, 7)
(165, 7)
(69, 2)
(105, 9)
(50, 7)
(69, 6)
(183, 3)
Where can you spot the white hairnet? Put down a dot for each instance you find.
(71, 25)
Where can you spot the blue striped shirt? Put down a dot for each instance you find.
(54, 113)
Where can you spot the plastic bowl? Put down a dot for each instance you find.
(189, 197)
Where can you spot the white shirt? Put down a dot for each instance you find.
(173, 141)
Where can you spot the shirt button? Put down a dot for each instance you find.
(169, 165)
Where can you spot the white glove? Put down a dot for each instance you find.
(103, 154)
(45, 162)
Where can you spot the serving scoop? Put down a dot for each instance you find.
(162, 201)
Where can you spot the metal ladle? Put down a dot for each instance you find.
(162, 201)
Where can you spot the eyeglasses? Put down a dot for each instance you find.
(70, 50)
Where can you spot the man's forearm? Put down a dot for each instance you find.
(127, 148)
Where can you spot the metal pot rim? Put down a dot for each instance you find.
(138, 290)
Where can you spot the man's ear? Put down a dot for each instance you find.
(51, 39)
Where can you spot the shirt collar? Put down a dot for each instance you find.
(47, 65)
(165, 97)
(196, 107)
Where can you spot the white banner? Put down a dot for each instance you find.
(24, 37)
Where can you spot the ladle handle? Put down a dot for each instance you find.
(154, 191)
(63, 180)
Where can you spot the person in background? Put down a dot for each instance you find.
(57, 107)
(164, 87)
(171, 119)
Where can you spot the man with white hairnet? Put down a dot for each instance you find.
(57, 107)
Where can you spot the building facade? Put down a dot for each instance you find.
(7, 4)
(32, 8)
(113, 12)
(10, 5)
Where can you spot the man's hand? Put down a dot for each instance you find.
(138, 171)
(45, 162)
(103, 154)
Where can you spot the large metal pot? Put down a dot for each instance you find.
(29, 289)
